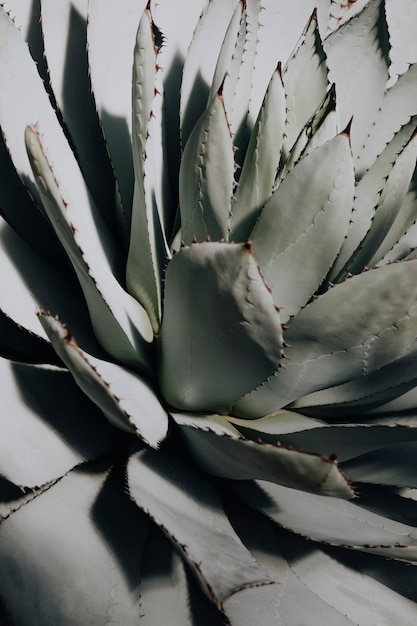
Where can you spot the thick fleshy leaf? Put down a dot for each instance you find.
(223, 334)
(395, 111)
(357, 57)
(111, 77)
(224, 452)
(313, 203)
(261, 161)
(64, 30)
(331, 521)
(201, 62)
(290, 602)
(120, 323)
(344, 441)
(186, 506)
(168, 594)
(401, 18)
(385, 182)
(367, 392)
(358, 596)
(43, 437)
(321, 127)
(234, 71)
(127, 400)
(333, 343)
(393, 465)
(206, 176)
(305, 81)
(76, 552)
(373, 247)
(148, 251)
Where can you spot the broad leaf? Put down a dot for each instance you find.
(201, 351)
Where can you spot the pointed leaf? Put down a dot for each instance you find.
(222, 451)
(401, 18)
(395, 111)
(313, 201)
(206, 176)
(111, 77)
(305, 81)
(201, 62)
(223, 334)
(235, 69)
(261, 161)
(331, 520)
(127, 400)
(148, 251)
(321, 127)
(370, 193)
(358, 596)
(333, 344)
(393, 465)
(186, 506)
(64, 31)
(120, 323)
(357, 55)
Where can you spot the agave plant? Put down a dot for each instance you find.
(208, 312)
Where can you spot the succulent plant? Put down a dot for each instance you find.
(208, 312)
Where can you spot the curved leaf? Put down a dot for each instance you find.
(206, 176)
(357, 57)
(201, 61)
(64, 31)
(313, 202)
(148, 250)
(186, 506)
(354, 594)
(261, 161)
(393, 465)
(120, 323)
(305, 81)
(333, 343)
(202, 352)
(224, 452)
(127, 400)
(331, 520)
(111, 77)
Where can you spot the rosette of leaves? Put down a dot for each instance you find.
(208, 312)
